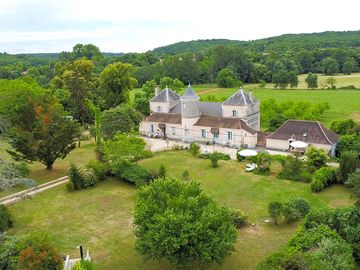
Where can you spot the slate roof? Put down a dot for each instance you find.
(190, 94)
(240, 98)
(164, 118)
(206, 108)
(219, 122)
(166, 95)
(314, 132)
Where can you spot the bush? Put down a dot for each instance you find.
(6, 220)
(162, 171)
(185, 176)
(194, 149)
(176, 147)
(239, 157)
(131, 172)
(293, 168)
(263, 162)
(290, 212)
(79, 179)
(226, 78)
(354, 182)
(316, 157)
(216, 156)
(84, 265)
(275, 210)
(322, 178)
(31, 252)
(99, 169)
(238, 217)
(302, 206)
(349, 162)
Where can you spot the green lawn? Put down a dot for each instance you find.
(101, 218)
(79, 156)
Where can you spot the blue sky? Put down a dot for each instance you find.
(138, 25)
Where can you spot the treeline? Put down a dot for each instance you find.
(275, 60)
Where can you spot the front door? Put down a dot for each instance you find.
(216, 137)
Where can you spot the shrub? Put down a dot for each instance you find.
(349, 162)
(6, 220)
(316, 157)
(354, 182)
(131, 172)
(162, 171)
(204, 155)
(302, 206)
(263, 162)
(238, 217)
(194, 149)
(322, 178)
(6, 184)
(216, 156)
(275, 210)
(290, 212)
(176, 147)
(293, 168)
(239, 157)
(79, 179)
(84, 265)
(99, 169)
(41, 256)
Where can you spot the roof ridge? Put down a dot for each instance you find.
(243, 96)
(324, 132)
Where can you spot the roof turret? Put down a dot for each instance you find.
(240, 98)
(190, 94)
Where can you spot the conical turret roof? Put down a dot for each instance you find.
(190, 94)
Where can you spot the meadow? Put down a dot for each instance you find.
(101, 218)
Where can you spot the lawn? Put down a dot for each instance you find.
(101, 218)
(79, 156)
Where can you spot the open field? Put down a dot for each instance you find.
(101, 218)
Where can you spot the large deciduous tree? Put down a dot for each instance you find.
(312, 81)
(79, 81)
(115, 84)
(177, 221)
(43, 134)
(329, 66)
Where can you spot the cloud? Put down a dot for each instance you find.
(139, 25)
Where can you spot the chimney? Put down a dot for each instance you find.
(157, 90)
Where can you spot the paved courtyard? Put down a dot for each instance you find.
(156, 145)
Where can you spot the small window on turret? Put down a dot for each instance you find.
(158, 108)
(234, 113)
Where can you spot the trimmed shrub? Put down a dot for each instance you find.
(238, 217)
(263, 162)
(99, 169)
(302, 206)
(323, 178)
(316, 157)
(185, 175)
(80, 179)
(194, 149)
(6, 220)
(131, 172)
(162, 171)
(239, 157)
(275, 210)
(216, 156)
(290, 212)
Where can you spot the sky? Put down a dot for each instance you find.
(31, 26)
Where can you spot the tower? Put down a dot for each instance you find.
(190, 112)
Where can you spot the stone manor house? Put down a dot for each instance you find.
(234, 122)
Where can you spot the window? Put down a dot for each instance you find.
(229, 135)
(216, 135)
(151, 128)
(173, 130)
(158, 108)
(234, 113)
(203, 133)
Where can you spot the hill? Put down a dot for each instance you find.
(329, 39)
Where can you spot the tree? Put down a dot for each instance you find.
(354, 181)
(121, 119)
(44, 134)
(312, 81)
(316, 157)
(275, 210)
(329, 66)
(277, 121)
(149, 89)
(125, 146)
(141, 104)
(349, 66)
(175, 220)
(115, 84)
(349, 162)
(330, 83)
(6, 220)
(226, 78)
(174, 84)
(78, 80)
(343, 126)
(293, 79)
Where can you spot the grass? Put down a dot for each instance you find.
(101, 218)
(343, 103)
(79, 156)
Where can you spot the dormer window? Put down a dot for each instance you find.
(158, 108)
(234, 113)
